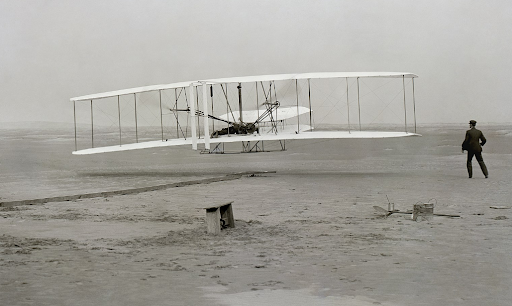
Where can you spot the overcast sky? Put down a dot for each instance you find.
(51, 51)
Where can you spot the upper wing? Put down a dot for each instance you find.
(247, 79)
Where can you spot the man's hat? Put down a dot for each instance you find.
(473, 122)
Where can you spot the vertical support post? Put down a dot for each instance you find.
(184, 89)
(119, 119)
(275, 96)
(258, 110)
(161, 115)
(74, 119)
(136, 127)
(358, 104)
(227, 107)
(197, 107)
(193, 117)
(271, 111)
(297, 96)
(348, 108)
(405, 107)
(205, 115)
(176, 112)
(92, 128)
(257, 100)
(211, 97)
(240, 101)
(414, 105)
(310, 110)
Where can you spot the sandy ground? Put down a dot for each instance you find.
(307, 235)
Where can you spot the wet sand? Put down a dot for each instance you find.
(305, 235)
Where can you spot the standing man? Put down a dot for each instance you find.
(473, 145)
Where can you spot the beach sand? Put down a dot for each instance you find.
(305, 235)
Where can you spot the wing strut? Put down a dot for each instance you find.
(205, 110)
(257, 100)
(228, 106)
(197, 108)
(414, 105)
(240, 101)
(348, 107)
(193, 117)
(161, 115)
(211, 97)
(310, 111)
(119, 118)
(136, 127)
(74, 119)
(177, 96)
(92, 128)
(405, 107)
(298, 115)
(270, 107)
(358, 104)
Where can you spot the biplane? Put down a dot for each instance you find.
(255, 112)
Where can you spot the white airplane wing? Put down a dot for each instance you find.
(252, 137)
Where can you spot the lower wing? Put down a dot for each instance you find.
(310, 134)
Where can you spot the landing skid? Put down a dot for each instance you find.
(259, 146)
(247, 147)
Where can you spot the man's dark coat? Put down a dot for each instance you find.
(471, 142)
